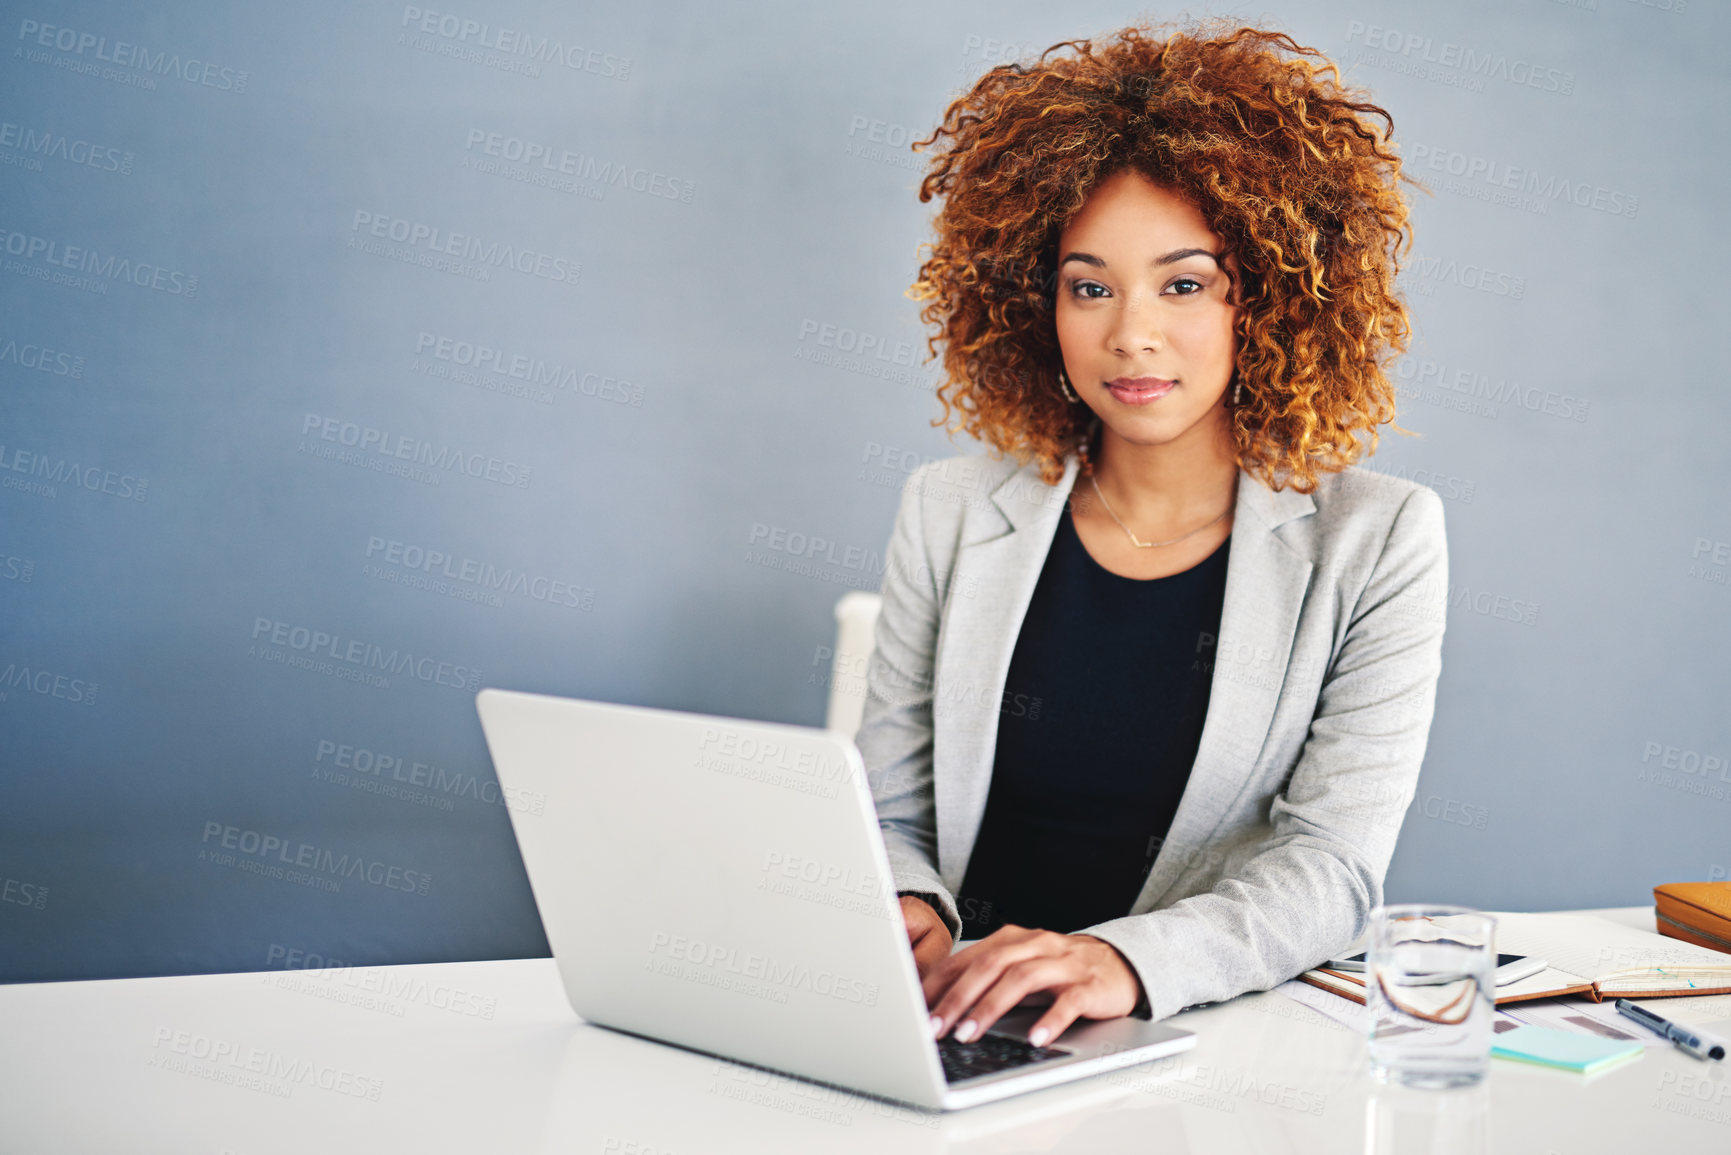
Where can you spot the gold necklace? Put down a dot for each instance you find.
(1138, 542)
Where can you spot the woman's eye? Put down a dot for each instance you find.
(1094, 290)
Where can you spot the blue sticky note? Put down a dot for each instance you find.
(1552, 1048)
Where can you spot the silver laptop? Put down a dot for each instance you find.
(722, 885)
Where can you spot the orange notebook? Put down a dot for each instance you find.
(1695, 912)
(1587, 955)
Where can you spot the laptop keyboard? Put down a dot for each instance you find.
(990, 1053)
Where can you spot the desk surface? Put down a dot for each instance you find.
(487, 1057)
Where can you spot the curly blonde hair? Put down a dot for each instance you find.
(1285, 164)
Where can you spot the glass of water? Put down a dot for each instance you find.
(1430, 992)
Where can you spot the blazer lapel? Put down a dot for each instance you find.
(1266, 581)
(1003, 550)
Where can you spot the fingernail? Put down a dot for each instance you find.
(937, 1026)
(1038, 1036)
(965, 1032)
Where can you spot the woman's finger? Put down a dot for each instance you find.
(987, 966)
(1018, 980)
(927, 934)
(936, 982)
(1066, 1009)
(932, 949)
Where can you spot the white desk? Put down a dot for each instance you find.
(487, 1057)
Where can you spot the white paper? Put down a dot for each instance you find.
(1595, 948)
(1581, 1017)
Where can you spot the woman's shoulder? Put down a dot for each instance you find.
(950, 502)
(1358, 489)
(1365, 511)
(974, 472)
(949, 489)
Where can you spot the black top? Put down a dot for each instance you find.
(1102, 713)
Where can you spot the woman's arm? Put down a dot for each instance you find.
(1309, 888)
(895, 733)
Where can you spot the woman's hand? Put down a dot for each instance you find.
(972, 988)
(927, 934)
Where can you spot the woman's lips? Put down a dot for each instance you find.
(1139, 390)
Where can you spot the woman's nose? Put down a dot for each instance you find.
(1137, 326)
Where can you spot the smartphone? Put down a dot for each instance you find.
(1511, 968)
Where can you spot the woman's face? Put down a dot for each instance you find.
(1143, 315)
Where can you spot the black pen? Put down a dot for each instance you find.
(1697, 1044)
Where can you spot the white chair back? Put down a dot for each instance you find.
(856, 616)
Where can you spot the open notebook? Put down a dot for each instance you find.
(1587, 955)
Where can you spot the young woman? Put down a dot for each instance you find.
(1153, 678)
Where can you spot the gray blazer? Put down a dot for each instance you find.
(1323, 687)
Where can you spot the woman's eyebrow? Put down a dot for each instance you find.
(1167, 259)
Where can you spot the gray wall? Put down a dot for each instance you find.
(222, 490)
